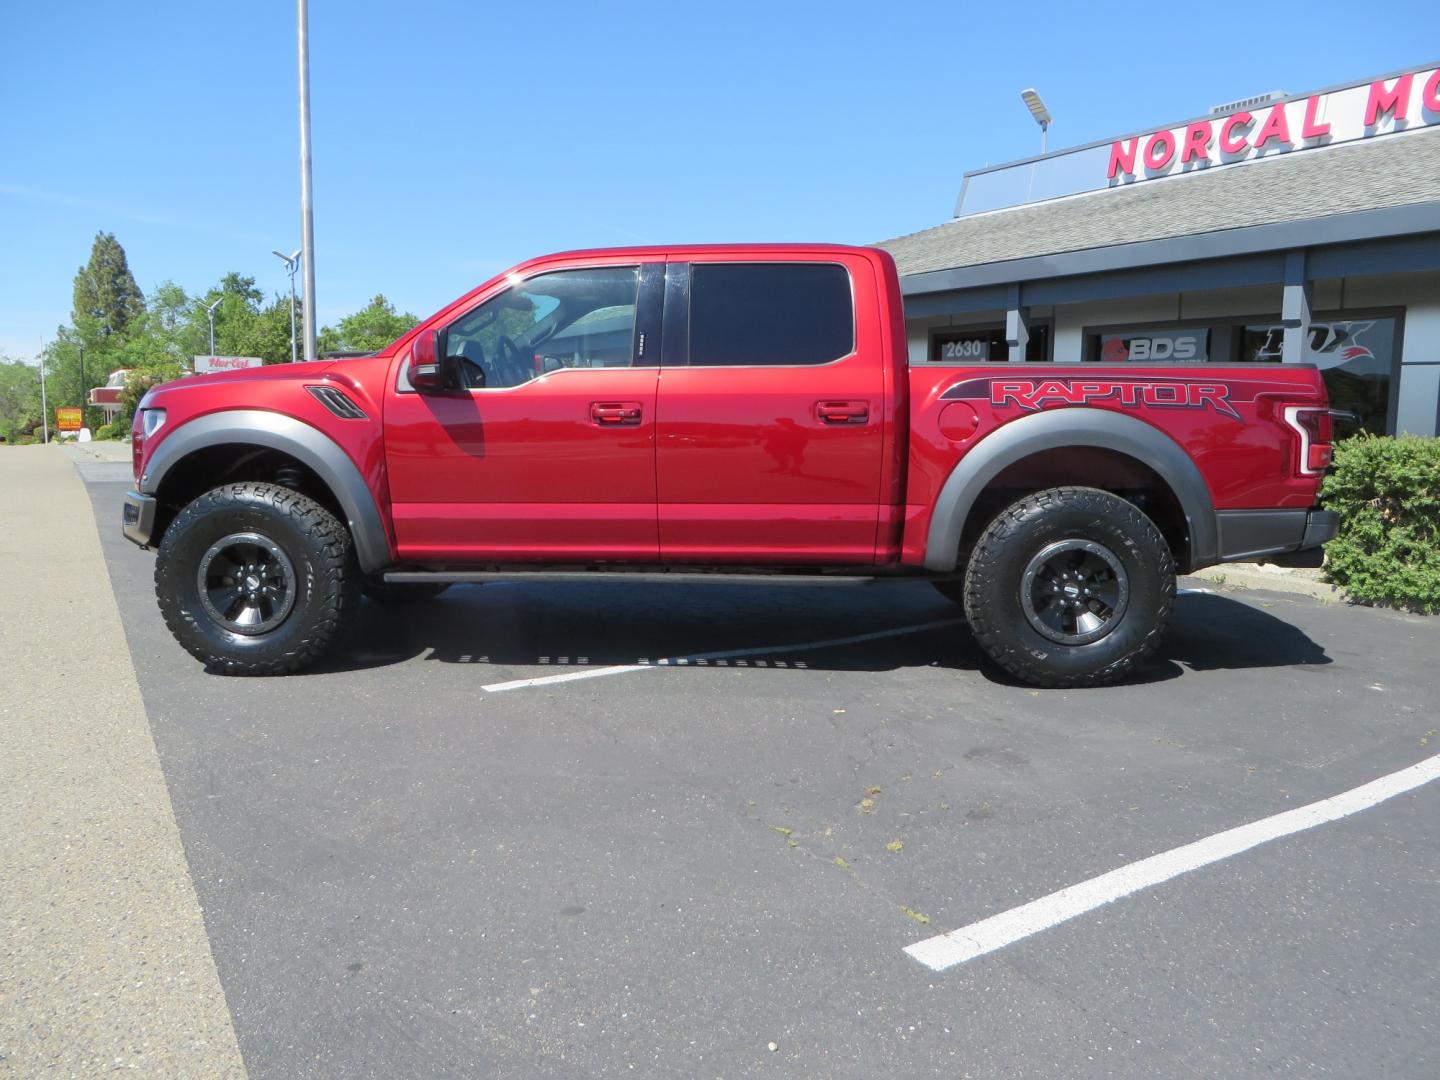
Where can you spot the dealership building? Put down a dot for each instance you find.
(1295, 228)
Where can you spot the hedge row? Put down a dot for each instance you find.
(1387, 491)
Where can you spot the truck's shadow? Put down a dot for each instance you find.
(520, 630)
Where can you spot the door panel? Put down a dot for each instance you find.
(526, 474)
(766, 463)
(559, 466)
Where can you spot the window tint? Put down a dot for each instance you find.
(769, 313)
(571, 318)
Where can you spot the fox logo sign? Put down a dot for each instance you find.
(1032, 395)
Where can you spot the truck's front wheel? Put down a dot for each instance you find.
(1070, 587)
(256, 579)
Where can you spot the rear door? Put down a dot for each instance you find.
(769, 418)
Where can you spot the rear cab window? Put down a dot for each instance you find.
(772, 314)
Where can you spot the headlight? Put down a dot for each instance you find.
(150, 421)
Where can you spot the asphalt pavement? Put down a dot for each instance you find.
(712, 869)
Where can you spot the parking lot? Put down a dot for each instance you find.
(434, 857)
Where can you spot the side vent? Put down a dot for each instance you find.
(336, 402)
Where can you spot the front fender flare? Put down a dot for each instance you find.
(276, 431)
(1056, 430)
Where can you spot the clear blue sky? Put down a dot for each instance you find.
(453, 139)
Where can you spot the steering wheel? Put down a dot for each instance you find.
(512, 365)
(470, 370)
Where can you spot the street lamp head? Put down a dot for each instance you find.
(211, 307)
(1036, 106)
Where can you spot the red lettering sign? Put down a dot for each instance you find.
(1228, 143)
(1276, 126)
(1159, 150)
(1386, 99)
(1312, 128)
(1122, 157)
(1430, 93)
(1197, 142)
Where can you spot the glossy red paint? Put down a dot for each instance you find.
(1245, 453)
(280, 388)
(777, 464)
(838, 464)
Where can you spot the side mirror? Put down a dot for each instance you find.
(427, 367)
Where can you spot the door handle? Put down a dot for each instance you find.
(616, 413)
(843, 412)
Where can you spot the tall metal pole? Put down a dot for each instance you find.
(210, 314)
(44, 404)
(293, 343)
(307, 214)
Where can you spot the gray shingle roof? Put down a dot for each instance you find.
(1357, 176)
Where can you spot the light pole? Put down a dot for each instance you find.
(1039, 112)
(210, 314)
(44, 404)
(307, 215)
(292, 263)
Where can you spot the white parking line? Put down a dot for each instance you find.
(705, 658)
(987, 935)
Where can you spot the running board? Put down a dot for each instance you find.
(486, 577)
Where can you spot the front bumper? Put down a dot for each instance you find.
(138, 518)
(1288, 537)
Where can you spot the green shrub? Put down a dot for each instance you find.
(1387, 492)
(116, 430)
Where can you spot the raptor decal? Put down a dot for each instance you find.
(1032, 395)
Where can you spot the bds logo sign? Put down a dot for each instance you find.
(1154, 345)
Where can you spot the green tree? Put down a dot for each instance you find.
(19, 398)
(105, 292)
(369, 329)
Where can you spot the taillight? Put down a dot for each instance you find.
(1316, 430)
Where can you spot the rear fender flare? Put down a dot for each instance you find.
(276, 431)
(1055, 430)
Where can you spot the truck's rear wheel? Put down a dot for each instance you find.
(256, 579)
(1070, 587)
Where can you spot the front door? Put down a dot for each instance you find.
(770, 420)
(544, 451)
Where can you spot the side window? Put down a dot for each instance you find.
(570, 318)
(769, 313)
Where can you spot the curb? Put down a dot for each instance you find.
(1274, 578)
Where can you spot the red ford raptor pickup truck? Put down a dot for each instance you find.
(687, 413)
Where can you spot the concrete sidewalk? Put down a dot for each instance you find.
(104, 960)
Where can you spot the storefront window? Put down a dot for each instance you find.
(1188, 345)
(980, 346)
(1356, 357)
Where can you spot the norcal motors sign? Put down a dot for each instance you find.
(1381, 107)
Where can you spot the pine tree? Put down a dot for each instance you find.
(105, 291)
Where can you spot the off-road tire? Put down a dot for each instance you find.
(998, 561)
(389, 592)
(326, 578)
